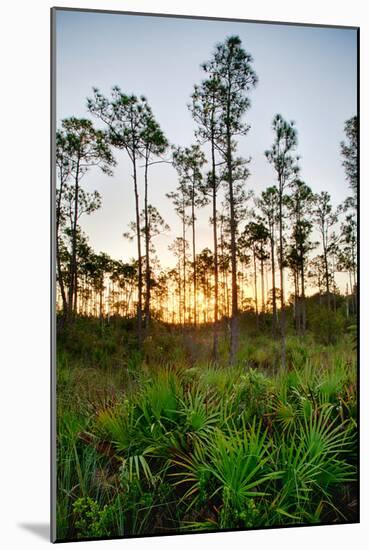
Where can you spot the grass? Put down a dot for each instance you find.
(167, 441)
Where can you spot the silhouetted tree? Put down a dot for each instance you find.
(268, 206)
(63, 167)
(347, 252)
(154, 144)
(231, 69)
(255, 238)
(152, 224)
(188, 162)
(284, 162)
(84, 147)
(125, 117)
(326, 219)
(206, 111)
(180, 250)
(180, 204)
(350, 159)
(300, 204)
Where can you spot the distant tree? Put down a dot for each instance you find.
(316, 274)
(281, 157)
(87, 204)
(100, 266)
(81, 146)
(125, 274)
(268, 206)
(262, 255)
(180, 250)
(224, 260)
(205, 271)
(63, 168)
(206, 110)
(350, 159)
(255, 238)
(231, 69)
(188, 162)
(301, 205)
(180, 203)
(326, 219)
(347, 252)
(152, 224)
(348, 240)
(83, 257)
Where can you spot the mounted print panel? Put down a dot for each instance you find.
(205, 293)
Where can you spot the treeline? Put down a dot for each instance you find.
(256, 240)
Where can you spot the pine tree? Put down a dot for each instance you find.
(284, 162)
(231, 69)
(80, 147)
(125, 117)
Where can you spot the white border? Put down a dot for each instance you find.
(24, 219)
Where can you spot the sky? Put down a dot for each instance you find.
(308, 74)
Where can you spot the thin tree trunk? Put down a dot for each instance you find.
(274, 300)
(194, 252)
(354, 279)
(283, 313)
(147, 253)
(58, 261)
(184, 266)
(179, 293)
(138, 231)
(262, 286)
(347, 304)
(326, 267)
(296, 302)
(215, 241)
(256, 290)
(73, 266)
(75, 300)
(101, 303)
(233, 228)
(303, 298)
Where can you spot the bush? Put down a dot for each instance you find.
(326, 325)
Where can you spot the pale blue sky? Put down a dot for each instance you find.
(307, 74)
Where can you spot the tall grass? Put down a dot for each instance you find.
(160, 442)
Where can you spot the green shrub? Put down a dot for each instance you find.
(91, 520)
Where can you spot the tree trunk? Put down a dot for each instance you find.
(184, 266)
(215, 241)
(179, 293)
(57, 251)
(147, 254)
(101, 303)
(262, 285)
(73, 265)
(256, 289)
(281, 259)
(326, 267)
(296, 301)
(354, 279)
(233, 228)
(274, 300)
(194, 253)
(303, 298)
(138, 231)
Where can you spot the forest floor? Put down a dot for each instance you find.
(166, 441)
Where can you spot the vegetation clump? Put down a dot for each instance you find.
(188, 448)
